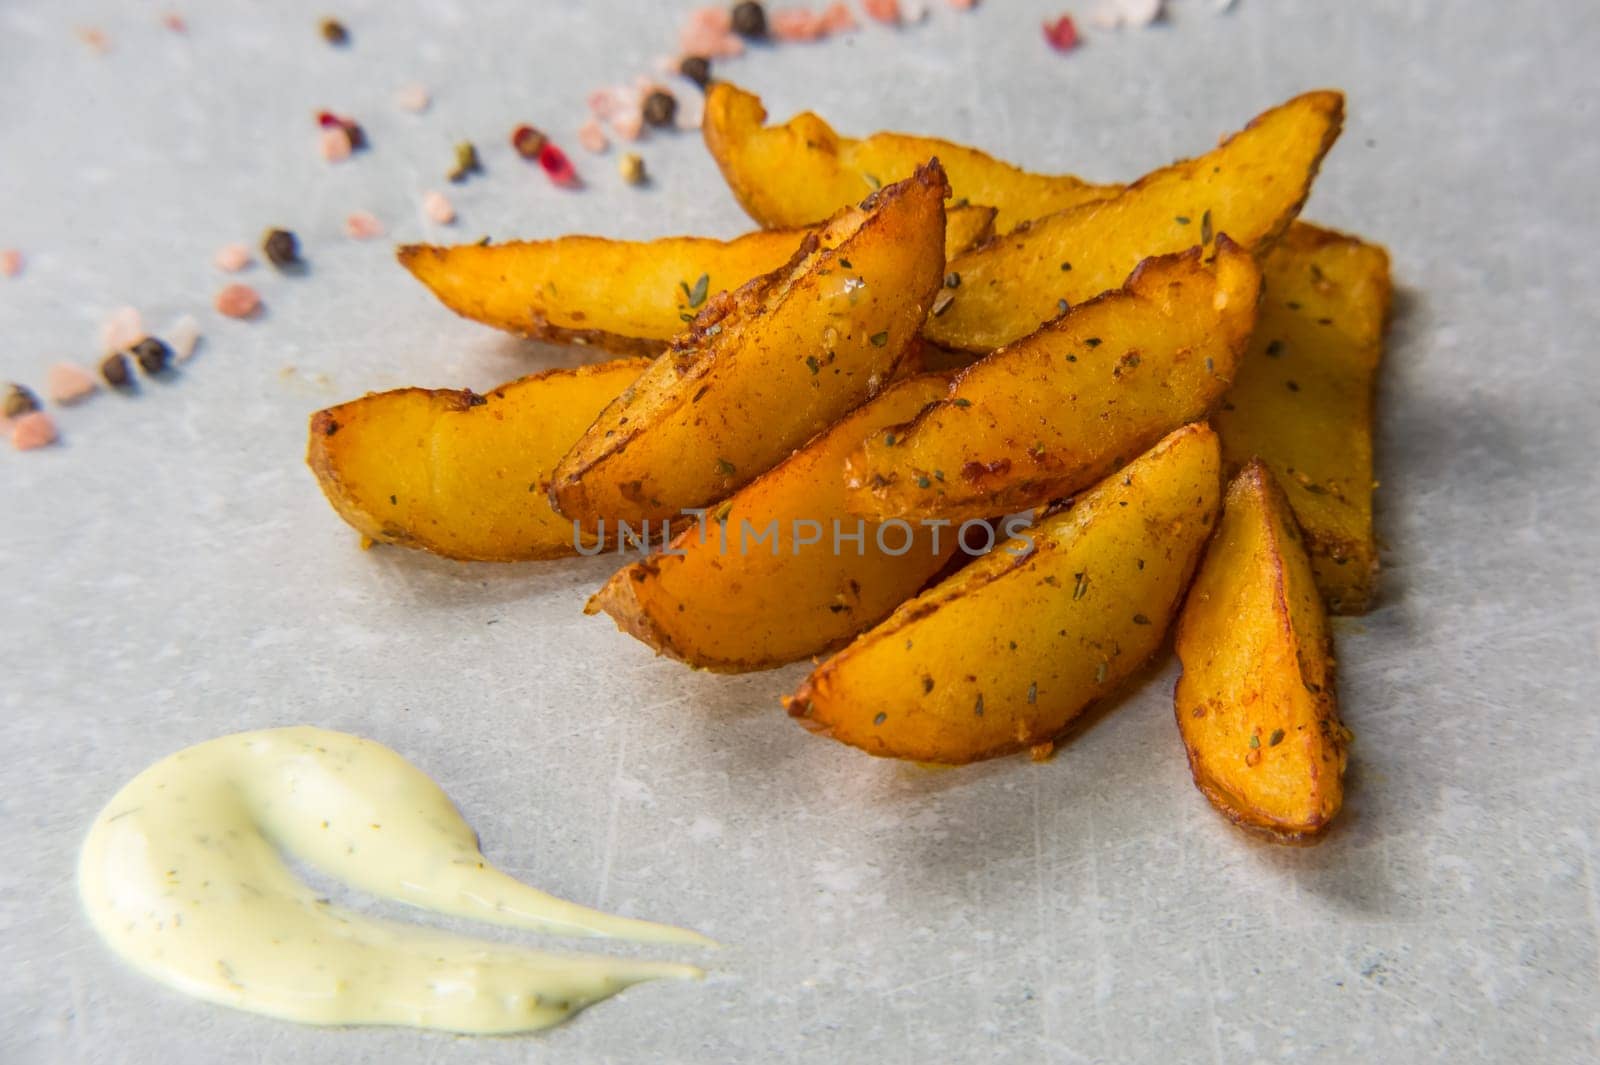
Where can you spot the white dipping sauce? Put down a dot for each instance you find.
(182, 875)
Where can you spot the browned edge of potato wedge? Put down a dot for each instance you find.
(1062, 408)
(459, 474)
(766, 368)
(623, 296)
(1250, 187)
(1009, 652)
(779, 571)
(1303, 399)
(1255, 703)
(795, 173)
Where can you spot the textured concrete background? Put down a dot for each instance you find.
(172, 573)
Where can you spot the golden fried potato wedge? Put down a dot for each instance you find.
(458, 474)
(622, 296)
(1303, 399)
(796, 173)
(764, 370)
(1008, 652)
(1255, 702)
(1250, 187)
(1058, 410)
(781, 571)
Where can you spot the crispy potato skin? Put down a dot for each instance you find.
(719, 600)
(622, 296)
(793, 174)
(1057, 411)
(1009, 652)
(1250, 187)
(1255, 703)
(458, 474)
(767, 368)
(1303, 399)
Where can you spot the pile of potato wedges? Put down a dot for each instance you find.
(1151, 403)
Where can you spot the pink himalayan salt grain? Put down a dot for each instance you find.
(33, 430)
(414, 98)
(10, 262)
(335, 144)
(174, 22)
(795, 24)
(709, 32)
(122, 329)
(836, 18)
(362, 225)
(592, 138)
(232, 258)
(238, 301)
(438, 208)
(962, 5)
(629, 125)
(66, 384)
(887, 11)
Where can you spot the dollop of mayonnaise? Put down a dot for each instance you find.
(183, 875)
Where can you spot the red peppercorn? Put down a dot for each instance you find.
(528, 142)
(558, 166)
(1062, 34)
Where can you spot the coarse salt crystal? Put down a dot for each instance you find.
(232, 258)
(238, 301)
(66, 384)
(436, 205)
(592, 137)
(1139, 12)
(335, 144)
(691, 112)
(33, 430)
(362, 225)
(414, 98)
(122, 329)
(962, 5)
(183, 336)
(10, 262)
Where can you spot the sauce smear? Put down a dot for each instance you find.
(183, 875)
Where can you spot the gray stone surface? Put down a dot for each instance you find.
(172, 573)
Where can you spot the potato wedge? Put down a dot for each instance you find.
(767, 368)
(796, 173)
(458, 474)
(1255, 702)
(622, 296)
(1303, 399)
(721, 599)
(1008, 652)
(1250, 187)
(1057, 411)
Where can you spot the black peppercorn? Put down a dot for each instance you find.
(697, 68)
(153, 355)
(749, 19)
(19, 401)
(281, 248)
(114, 368)
(333, 31)
(660, 108)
